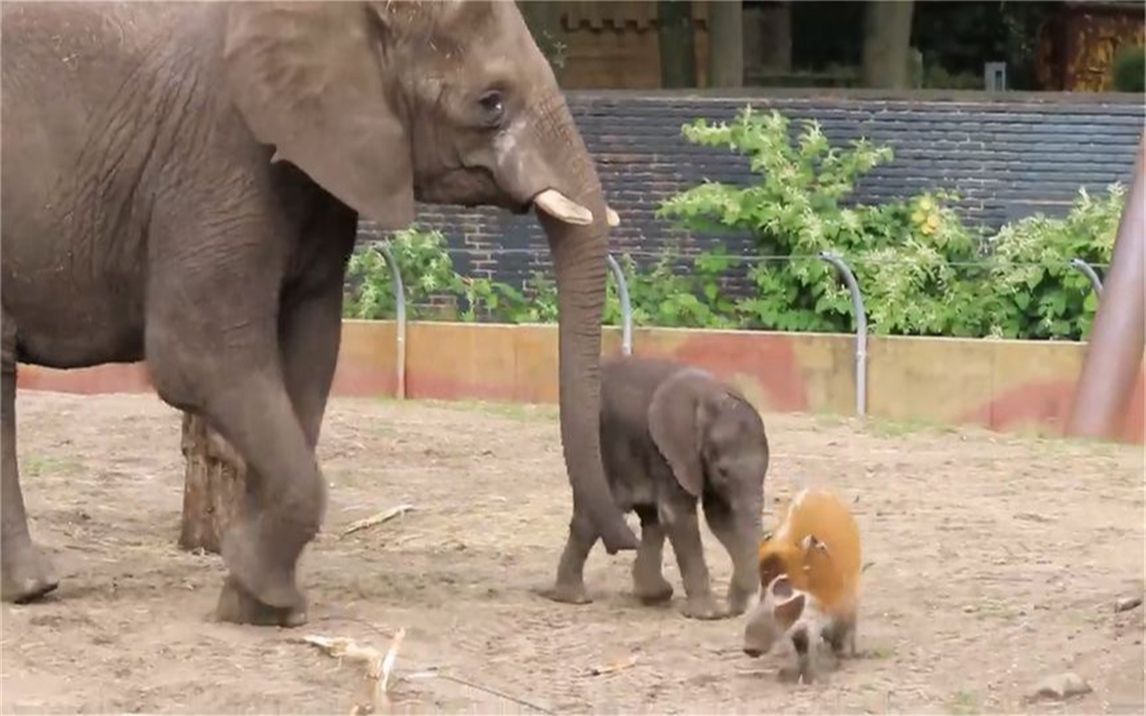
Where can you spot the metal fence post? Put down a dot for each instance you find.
(1087, 270)
(861, 328)
(400, 309)
(626, 306)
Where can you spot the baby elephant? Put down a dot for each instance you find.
(672, 436)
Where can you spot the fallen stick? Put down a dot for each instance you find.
(374, 520)
(378, 666)
(618, 665)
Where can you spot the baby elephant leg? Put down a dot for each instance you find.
(570, 585)
(683, 530)
(649, 583)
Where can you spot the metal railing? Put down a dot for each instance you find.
(400, 311)
(626, 305)
(861, 328)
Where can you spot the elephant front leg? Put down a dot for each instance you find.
(27, 573)
(310, 338)
(226, 367)
(684, 531)
(740, 538)
(649, 583)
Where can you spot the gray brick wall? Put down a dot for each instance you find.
(1008, 156)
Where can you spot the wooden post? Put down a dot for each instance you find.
(677, 51)
(726, 44)
(213, 485)
(887, 43)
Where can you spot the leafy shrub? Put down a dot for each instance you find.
(907, 255)
(1038, 293)
(426, 269)
(435, 290)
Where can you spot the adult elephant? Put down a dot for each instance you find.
(182, 184)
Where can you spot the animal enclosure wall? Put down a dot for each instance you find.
(1008, 155)
(1004, 385)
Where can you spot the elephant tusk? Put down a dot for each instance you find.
(562, 207)
(612, 218)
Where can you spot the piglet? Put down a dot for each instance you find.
(809, 573)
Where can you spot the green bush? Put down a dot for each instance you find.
(427, 274)
(1037, 293)
(1129, 69)
(912, 258)
(426, 269)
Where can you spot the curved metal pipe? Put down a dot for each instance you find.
(1087, 270)
(861, 328)
(626, 306)
(400, 310)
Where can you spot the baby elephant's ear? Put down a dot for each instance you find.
(674, 424)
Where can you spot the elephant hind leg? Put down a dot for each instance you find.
(311, 320)
(570, 585)
(27, 573)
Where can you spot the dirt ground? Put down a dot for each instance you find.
(995, 561)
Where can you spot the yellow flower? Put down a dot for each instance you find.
(917, 216)
(933, 222)
(925, 204)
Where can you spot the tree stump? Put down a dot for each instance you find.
(213, 485)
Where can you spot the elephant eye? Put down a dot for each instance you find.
(492, 107)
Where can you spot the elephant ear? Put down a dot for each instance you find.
(675, 427)
(307, 78)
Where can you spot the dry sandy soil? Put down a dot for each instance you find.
(996, 561)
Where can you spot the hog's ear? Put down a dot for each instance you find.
(674, 425)
(813, 545)
(307, 77)
(788, 612)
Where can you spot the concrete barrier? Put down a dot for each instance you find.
(1003, 385)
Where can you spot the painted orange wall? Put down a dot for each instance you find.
(1005, 385)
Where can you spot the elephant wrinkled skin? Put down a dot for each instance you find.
(673, 436)
(182, 184)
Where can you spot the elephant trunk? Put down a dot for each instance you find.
(744, 552)
(578, 253)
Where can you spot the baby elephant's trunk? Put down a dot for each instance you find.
(744, 552)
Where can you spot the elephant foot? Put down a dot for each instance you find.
(704, 608)
(263, 565)
(238, 606)
(566, 594)
(652, 590)
(27, 574)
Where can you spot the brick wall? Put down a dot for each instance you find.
(1008, 156)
